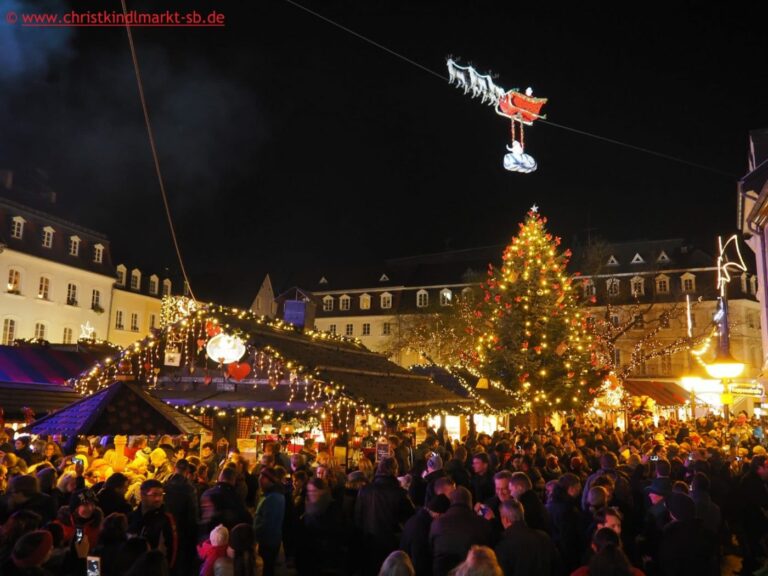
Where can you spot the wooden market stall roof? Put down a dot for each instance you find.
(462, 382)
(663, 392)
(121, 408)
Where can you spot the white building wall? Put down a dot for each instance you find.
(27, 309)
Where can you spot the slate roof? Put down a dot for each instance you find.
(41, 364)
(41, 398)
(121, 408)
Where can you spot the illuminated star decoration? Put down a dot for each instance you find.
(86, 331)
(534, 208)
(522, 108)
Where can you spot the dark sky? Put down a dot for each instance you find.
(287, 142)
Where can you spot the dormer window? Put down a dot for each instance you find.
(613, 286)
(17, 227)
(612, 261)
(663, 258)
(365, 302)
(638, 286)
(74, 245)
(446, 297)
(323, 280)
(688, 282)
(422, 299)
(153, 284)
(135, 279)
(386, 300)
(344, 302)
(384, 278)
(48, 237)
(637, 259)
(662, 284)
(166, 287)
(98, 253)
(327, 303)
(121, 271)
(589, 288)
(467, 293)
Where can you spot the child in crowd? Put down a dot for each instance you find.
(213, 549)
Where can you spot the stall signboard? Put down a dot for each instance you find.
(382, 448)
(248, 447)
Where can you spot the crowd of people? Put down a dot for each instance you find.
(659, 499)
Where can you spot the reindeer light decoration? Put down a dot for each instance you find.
(521, 108)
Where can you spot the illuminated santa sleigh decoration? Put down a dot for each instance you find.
(521, 108)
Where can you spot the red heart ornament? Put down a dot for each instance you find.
(207, 380)
(238, 371)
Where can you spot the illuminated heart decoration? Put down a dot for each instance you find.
(238, 371)
(207, 380)
(212, 329)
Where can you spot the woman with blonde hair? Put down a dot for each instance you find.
(398, 563)
(481, 561)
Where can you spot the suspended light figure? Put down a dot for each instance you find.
(225, 349)
(521, 108)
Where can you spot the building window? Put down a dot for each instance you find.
(152, 321)
(98, 253)
(74, 245)
(134, 322)
(662, 285)
(349, 330)
(153, 285)
(366, 329)
(365, 302)
(753, 285)
(166, 287)
(422, 299)
(386, 328)
(96, 301)
(446, 297)
(119, 319)
(332, 328)
(613, 287)
(17, 227)
(615, 319)
(689, 283)
(386, 300)
(467, 294)
(135, 280)
(344, 302)
(67, 339)
(14, 281)
(638, 287)
(664, 320)
(589, 288)
(47, 237)
(71, 294)
(616, 357)
(44, 288)
(9, 331)
(666, 365)
(327, 303)
(121, 270)
(639, 321)
(40, 331)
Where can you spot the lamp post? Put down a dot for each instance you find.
(724, 367)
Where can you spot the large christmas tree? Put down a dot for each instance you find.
(532, 338)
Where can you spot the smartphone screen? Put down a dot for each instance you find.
(93, 566)
(79, 535)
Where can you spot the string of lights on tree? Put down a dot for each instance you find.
(531, 334)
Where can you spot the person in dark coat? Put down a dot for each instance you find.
(524, 551)
(24, 494)
(490, 508)
(686, 547)
(111, 498)
(456, 468)
(381, 508)
(221, 504)
(754, 501)
(482, 478)
(151, 521)
(455, 532)
(536, 515)
(565, 517)
(706, 510)
(434, 471)
(319, 543)
(415, 538)
(181, 502)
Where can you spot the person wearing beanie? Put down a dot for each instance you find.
(415, 538)
(686, 547)
(151, 521)
(111, 498)
(24, 494)
(83, 512)
(213, 549)
(31, 551)
(241, 554)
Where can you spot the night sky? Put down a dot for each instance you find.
(288, 143)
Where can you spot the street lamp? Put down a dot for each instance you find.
(725, 367)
